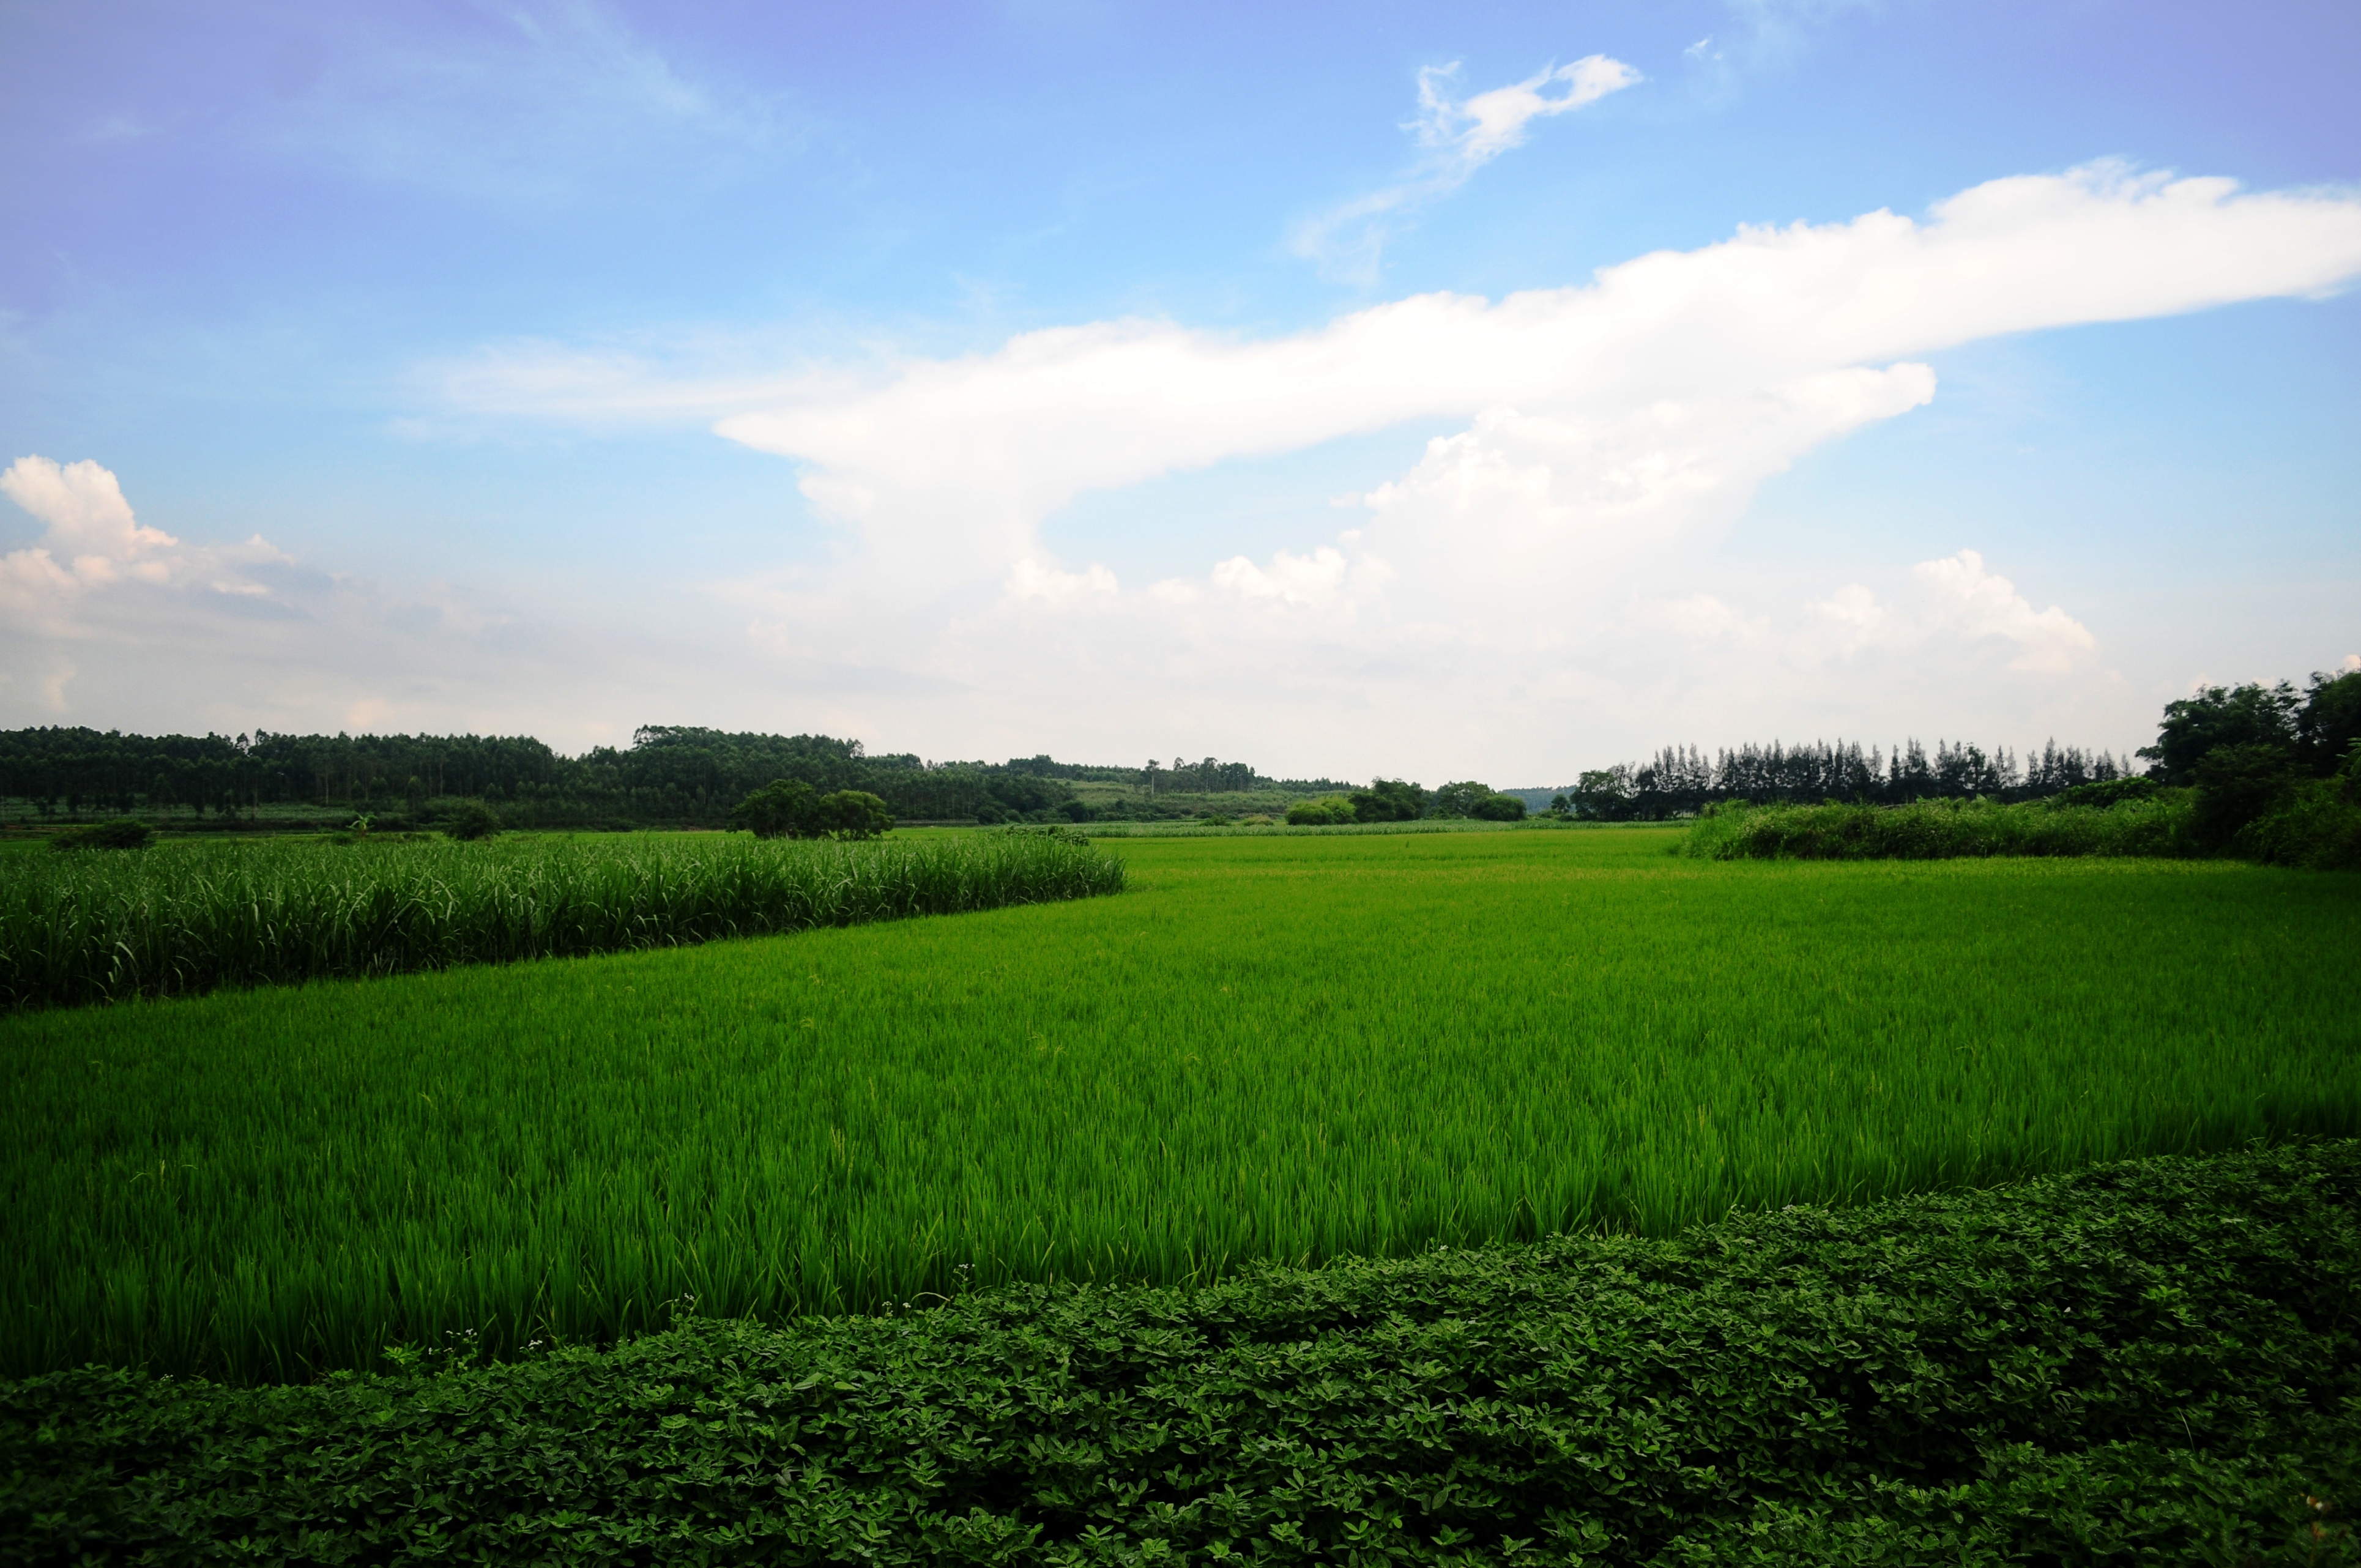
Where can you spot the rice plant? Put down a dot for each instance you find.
(1287, 1050)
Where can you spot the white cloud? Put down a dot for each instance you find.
(106, 615)
(1457, 137)
(1537, 586)
(1970, 601)
(91, 543)
(1954, 600)
(1030, 580)
(1472, 132)
(946, 468)
(1545, 556)
(1521, 501)
(1323, 581)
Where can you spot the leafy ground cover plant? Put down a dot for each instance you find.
(2136, 823)
(2152, 1362)
(188, 918)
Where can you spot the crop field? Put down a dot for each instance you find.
(185, 917)
(1266, 1048)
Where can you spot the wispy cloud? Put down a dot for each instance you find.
(532, 102)
(1456, 136)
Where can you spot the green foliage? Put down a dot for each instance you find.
(473, 820)
(2235, 784)
(1461, 799)
(1513, 1032)
(1389, 800)
(189, 918)
(1480, 801)
(2148, 1362)
(783, 809)
(123, 834)
(2218, 717)
(2329, 724)
(1942, 829)
(1326, 811)
(2105, 792)
(851, 814)
(2314, 823)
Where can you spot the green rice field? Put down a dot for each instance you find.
(1283, 1048)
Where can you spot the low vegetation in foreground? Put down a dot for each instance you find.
(2145, 1363)
(1267, 1051)
(186, 917)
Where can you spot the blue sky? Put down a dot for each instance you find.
(1440, 390)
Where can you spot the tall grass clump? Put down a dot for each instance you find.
(183, 918)
(1940, 830)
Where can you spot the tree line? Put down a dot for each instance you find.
(672, 775)
(1681, 781)
(2252, 753)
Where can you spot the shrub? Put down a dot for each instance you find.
(1498, 808)
(2237, 784)
(780, 809)
(120, 835)
(1940, 830)
(473, 820)
(850, 814)
(1389, 800)
(2105, 792)
(2314, 823)
(1326, 811)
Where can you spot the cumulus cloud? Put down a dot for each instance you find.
(106, 614)
(91, 542)
(1092, 586)
(1457, 137)
(948, 466)
(1598, 439)
(1539, 581)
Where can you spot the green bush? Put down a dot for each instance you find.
(471, 821)
(850, 814)
(121, 835)
(1940, 829)
(2154, 1361)
(2235, 786)
(1328, 811)
(789, 808)
(1498, 807)
(783, 809)
(1389, 800)
(2314, 823)
(2105, 792)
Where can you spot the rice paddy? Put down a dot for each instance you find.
(1267, 1048)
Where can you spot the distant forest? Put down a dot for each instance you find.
(1679, 780)
(675, 776)
(668, 776)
